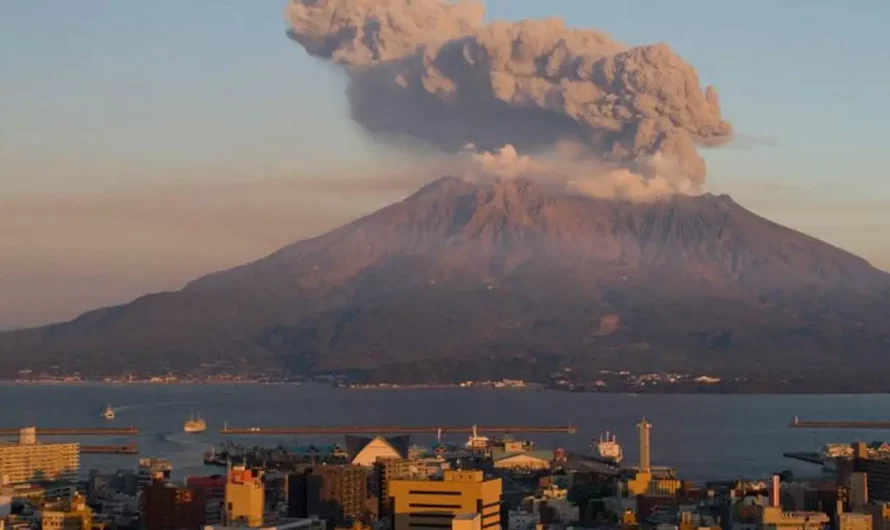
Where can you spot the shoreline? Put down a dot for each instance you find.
(710, 390)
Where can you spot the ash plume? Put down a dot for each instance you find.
(433, 70)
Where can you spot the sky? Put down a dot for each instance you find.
(143, 144)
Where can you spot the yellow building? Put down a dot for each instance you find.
(854, 521)
(70, 515)
(30, 461)
(245, 497)
(435, 503)
(526, 461)
(467, 521)
(773, 518)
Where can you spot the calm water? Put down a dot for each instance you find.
(704, 437)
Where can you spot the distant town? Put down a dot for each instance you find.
(608, 381)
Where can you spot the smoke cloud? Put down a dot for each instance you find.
(584, 177)
(434, 71)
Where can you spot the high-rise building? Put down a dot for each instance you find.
(73, 514)
(245, 497)
(335, 493)
(166, 506)
(435, 503)
(31, 461)
(213, 491)
(386, 470)
(858, 489)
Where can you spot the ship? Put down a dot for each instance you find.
(195, 425)
(607, 448)
(476, 442)
(108, 413)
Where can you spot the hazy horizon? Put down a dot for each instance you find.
(136, 158)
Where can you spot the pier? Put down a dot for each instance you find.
(810, 458)
(399, 429)
(129, 449)
(76, 431)
(821, 424)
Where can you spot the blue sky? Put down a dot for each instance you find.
(103, 97)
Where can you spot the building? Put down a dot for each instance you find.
(166, 506)
(213, 491)
(387, 470)
(335, 493)
(773, 518)
(853, 521)
(364, 451)
(467, 521)
(857, 488)
(245, 497)
(290, 524)
(73, 514)
(880, 515)
(524, 461)
(30, 461)
(433, 503)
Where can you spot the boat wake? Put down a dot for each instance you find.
(180, 438)
(138, 406)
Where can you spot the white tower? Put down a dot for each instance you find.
(644, 427)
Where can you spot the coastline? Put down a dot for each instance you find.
(742, 390)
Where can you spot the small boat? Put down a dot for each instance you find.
(195, 425)
(108, 413)
(607, 448)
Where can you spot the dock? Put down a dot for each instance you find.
(75, 431)
(810, 458)
(822, 424)
(129, 449)
(398, 429)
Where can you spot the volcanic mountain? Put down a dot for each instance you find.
(506, 278)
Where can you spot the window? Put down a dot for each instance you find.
(428, 505)
(428, 492)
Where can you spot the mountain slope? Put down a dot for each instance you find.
(479, 277)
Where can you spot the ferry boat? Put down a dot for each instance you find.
(195, 425)
(108, 413)
(607, 448)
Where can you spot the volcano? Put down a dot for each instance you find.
(508, 278)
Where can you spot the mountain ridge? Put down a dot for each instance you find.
(509, 269)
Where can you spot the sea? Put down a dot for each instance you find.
(704, 437)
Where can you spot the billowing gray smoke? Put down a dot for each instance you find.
(433, 70)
